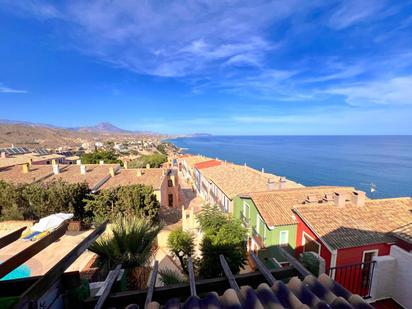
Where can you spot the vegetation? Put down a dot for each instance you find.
(132, 244)
(221, 235)
(108, 157)
(33, 201)
(37, 200)
(134, 200)
(169, 276)
(154, 160)
(182, 246)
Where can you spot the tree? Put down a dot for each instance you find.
(36, 200)
(182, 246)
(132, 244)
(109, 157)
(154, 160)
(134, 200)
(221, 235)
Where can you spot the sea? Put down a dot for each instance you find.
(379, 165)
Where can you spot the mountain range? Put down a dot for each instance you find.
(34, 135)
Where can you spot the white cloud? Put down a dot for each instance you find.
(394, 91)
(4, 89)
(351, 12)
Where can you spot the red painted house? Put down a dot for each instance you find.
(352, 229)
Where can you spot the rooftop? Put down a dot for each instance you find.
(192, 160)
(207, 164)
(404, 233)
(276, 206)
(150, 177)
(24, 158)
(352, 226)
(235, 179)
(16, 175)
(95, 174)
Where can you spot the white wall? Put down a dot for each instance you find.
(392, 277)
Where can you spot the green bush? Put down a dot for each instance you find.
(37, 200)
(108, 157)
(154, 160)
(221, 235)
(182, 246)
(169, 277)
(134, 200)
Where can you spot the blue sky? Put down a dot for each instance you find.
(223, 67)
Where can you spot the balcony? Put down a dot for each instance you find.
(258, 238)
(245, 221)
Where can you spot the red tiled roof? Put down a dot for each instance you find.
(207, 164)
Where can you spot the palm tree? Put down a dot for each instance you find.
(132, 244)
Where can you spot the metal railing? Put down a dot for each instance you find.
(245, 221)
(357, 278)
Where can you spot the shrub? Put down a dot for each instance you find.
(134, 200)
(169, 276)
(108, 157)
(182, 246)
(154, 160)
(132, 244)
(222, 235)
(36, 200)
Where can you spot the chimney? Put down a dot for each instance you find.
(30, 161)
(101, 162)
(3, 155)
(311, 198)
(282, 182)
(26, 168)
(54, 162)
(147, 166)
(328, 197)
(339, 199)
(263, 170)
(139, 172)
(270, 184)
(78, 162)
(56, 169)
(125, 165)
(358, 198)
(111, 172)
(83, 169)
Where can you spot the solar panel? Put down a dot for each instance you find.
(26, 149)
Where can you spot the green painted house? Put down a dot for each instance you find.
(264, 233)
(269, 217)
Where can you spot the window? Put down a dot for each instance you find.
(284, 238)
(368, 255)
(170, 183)
(246, 210)
(260, 226)
(170, 196)
(309, 244)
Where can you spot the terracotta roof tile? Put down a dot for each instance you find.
(150, 177)
(352, 226)
(235, 179)
(15, 173)
(192, 160)
(95, 173)
(276, 206)
(207, 164)
(404, 233)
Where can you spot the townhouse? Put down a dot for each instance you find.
(353, 229)
(222, 183)
(165, 183)
(270, 219)
(187, 163)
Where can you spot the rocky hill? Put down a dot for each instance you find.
(40, 135)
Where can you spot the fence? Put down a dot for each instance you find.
(357, 278)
